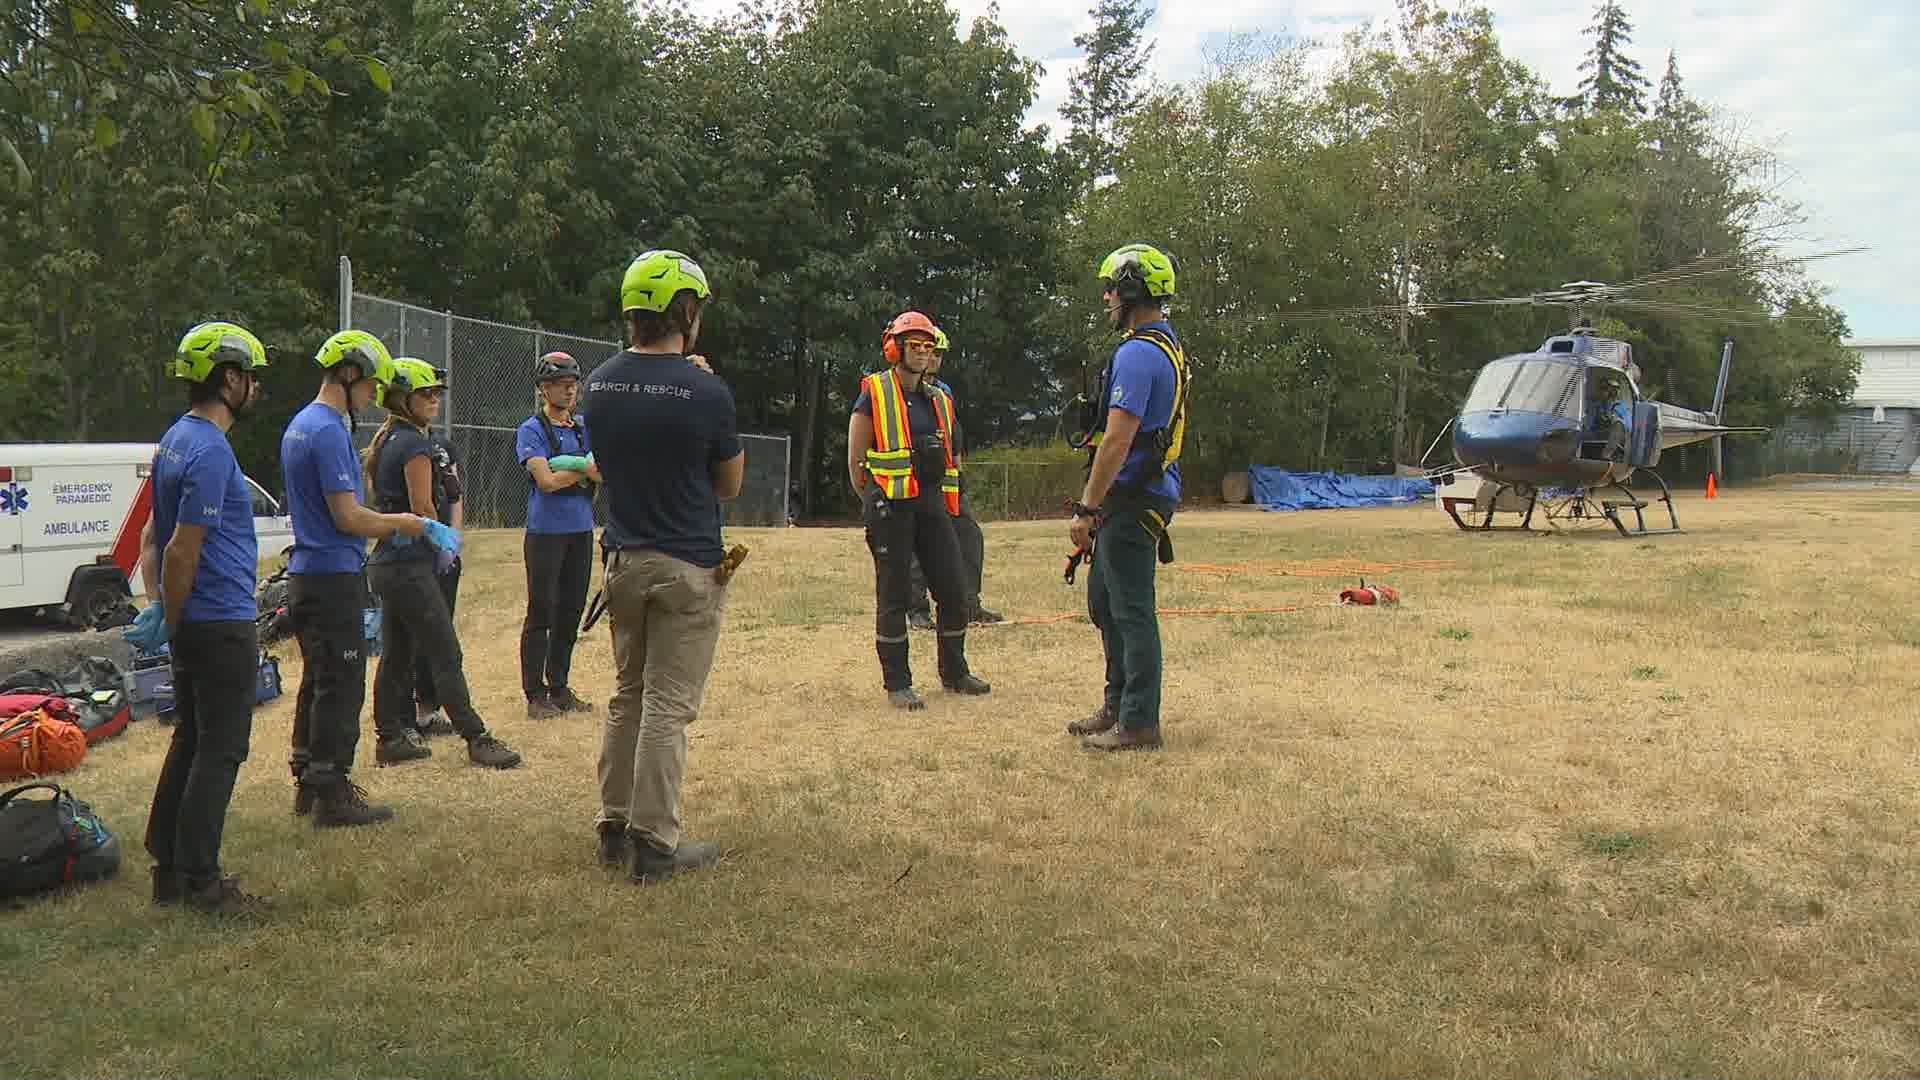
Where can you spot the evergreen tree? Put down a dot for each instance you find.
(1106, 89)
(1614, 82)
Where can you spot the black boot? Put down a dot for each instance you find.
(953, 665)
(168, 886)
(341, 803)
(613, 843)
(895, 672)
(650, 864)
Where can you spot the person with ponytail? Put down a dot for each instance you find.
(415, 619)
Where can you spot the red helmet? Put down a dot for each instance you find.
(555, 365)
(906, 322)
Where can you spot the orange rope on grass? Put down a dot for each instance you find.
(1315, 567)
(1043, 620)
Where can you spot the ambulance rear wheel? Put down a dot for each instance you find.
(98, 600)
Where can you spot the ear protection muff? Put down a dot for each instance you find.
(890, 347)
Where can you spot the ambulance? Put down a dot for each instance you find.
(71, 515)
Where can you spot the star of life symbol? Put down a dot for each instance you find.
(13, 499)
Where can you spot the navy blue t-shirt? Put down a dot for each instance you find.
(1142, 383)
(317, 458)
(197, 481)
(402, 444)
(569, 511)
(658, 425)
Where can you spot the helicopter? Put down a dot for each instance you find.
(1564, 429)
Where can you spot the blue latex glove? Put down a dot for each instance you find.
(149, 630)
(443, 561)
(567, 463)
(443, 537)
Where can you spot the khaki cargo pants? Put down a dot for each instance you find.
(666, 620)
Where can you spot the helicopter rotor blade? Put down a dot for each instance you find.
(1595, 294)
(1733, 264)
(1669, 307)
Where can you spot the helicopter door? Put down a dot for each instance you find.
(1645, 450)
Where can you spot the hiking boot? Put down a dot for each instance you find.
(905, 699)
(984, 617)
(614, 850)
(567, 701)
(1123, 738)
(920, 620)
(302, 799)
(1101, 720)
(542, 708)
(434, 723)
(486, 750)
(344, 804)
(168, 886)
(404, 747)
(222, 896)
(651, 865)
(969, 684)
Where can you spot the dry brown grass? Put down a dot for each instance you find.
(1581, 806)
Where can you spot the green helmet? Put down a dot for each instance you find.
(361, 349)
(411, 373)
(1143, 264)
(211, 344)
(656, 277)
(939, 340)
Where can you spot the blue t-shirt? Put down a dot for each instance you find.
(569, 511)
(316, 460)
(197, 481)
(661, 425)
(1142, 383)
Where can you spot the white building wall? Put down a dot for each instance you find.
(1889, 372)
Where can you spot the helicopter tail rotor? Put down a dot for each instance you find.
(1720, 405)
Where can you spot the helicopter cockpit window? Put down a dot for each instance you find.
(1527, 384)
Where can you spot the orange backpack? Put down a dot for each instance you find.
(37, 743)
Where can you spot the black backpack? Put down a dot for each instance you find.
(48, 843)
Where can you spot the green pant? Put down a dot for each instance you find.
(1120, 600)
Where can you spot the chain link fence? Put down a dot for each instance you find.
(490, 392)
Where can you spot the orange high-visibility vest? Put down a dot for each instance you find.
(890, 461)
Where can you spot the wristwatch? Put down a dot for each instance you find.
(1081, 509)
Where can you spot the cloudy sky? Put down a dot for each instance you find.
(1831, 85)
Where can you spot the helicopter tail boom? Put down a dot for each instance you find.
(1680, 427)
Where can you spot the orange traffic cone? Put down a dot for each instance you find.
(1712, 488)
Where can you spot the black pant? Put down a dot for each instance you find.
(897, 532)
(559, 569)
(973, 556)
(423, 690)
(414, 622)
(327, 612)
(214, 676)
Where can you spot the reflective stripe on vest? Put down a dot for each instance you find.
(890, 461)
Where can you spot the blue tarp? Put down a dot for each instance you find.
(1278, 489)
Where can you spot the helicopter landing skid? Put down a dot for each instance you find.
(1633, 502)
(1483, 520)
